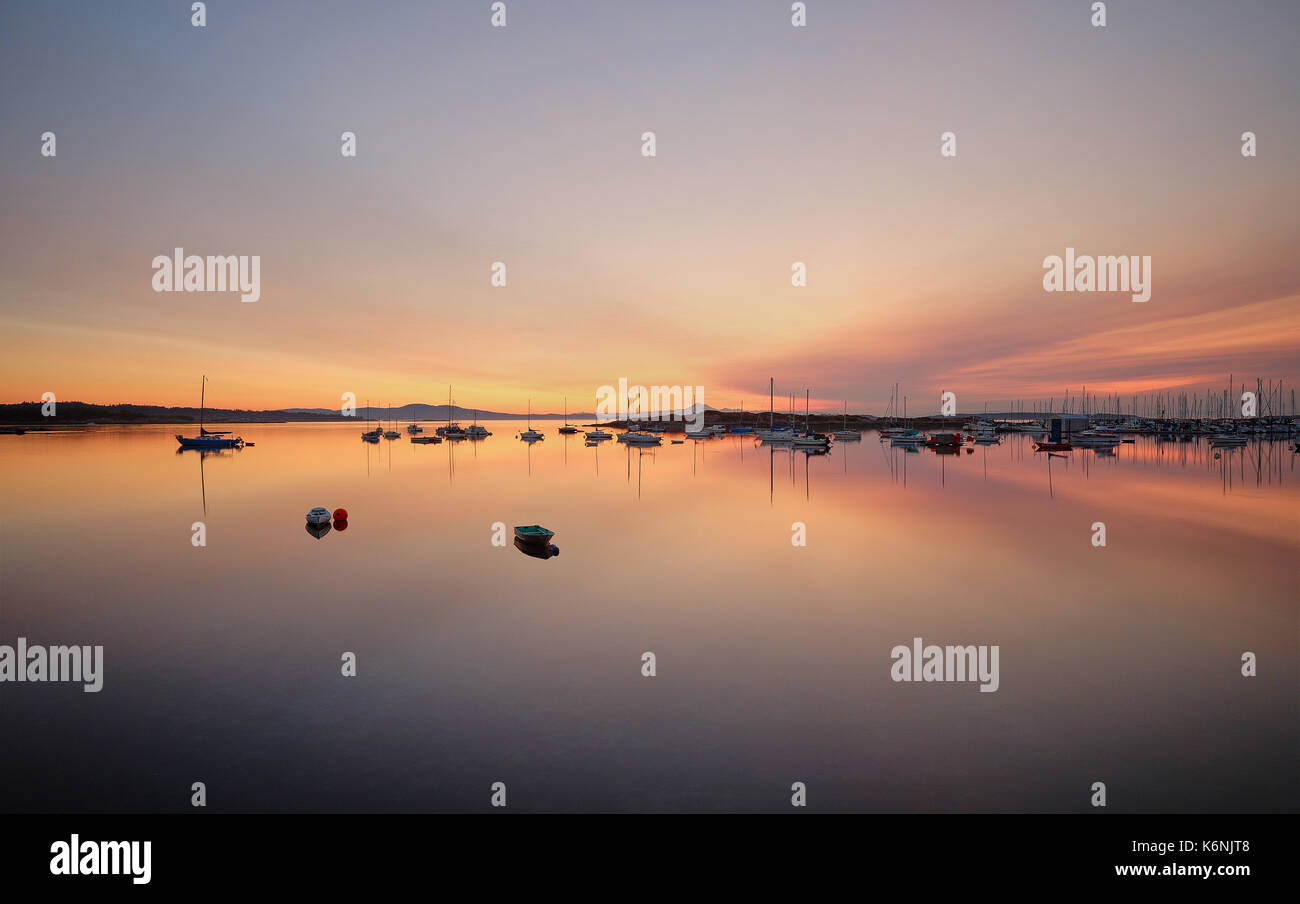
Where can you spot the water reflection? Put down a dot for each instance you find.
(476, 654)
(537, 550)
(203, 455)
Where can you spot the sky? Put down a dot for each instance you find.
(522, 144)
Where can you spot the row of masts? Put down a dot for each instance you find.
(1270, 401)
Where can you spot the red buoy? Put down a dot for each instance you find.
(340, 514)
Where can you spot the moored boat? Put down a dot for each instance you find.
(208, 439)
(948, 440)
(567, 428)
(811, 440)
(534, 534)
(530, 435)
(845, 433)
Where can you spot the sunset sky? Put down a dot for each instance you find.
(523, 145)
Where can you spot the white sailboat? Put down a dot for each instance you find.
(474, 431)
(530, 435)
(846, 433)
(808, 439)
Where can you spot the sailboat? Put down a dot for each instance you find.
(566, 428)
(530, 435)
(474, 431)
(898, 433)
(635, 436)
(392, 434)
(846, 433)
(452, 430)
(370, 436)
(809, 439)
(741, 428)
(640, 438)
(208, 439)
(774, 434)
(597, 435)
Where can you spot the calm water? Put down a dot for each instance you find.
(477, 664)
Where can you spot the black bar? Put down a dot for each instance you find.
(494, 850)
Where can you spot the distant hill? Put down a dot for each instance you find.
(70, 413)
(83, 412)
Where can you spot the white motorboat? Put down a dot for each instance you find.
(319, 515)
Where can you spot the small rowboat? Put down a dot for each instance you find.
(318, 516)
(534, 534)
(426, 440)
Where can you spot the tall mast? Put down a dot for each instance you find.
(771, 403)
(805, 411)
(202, 397)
